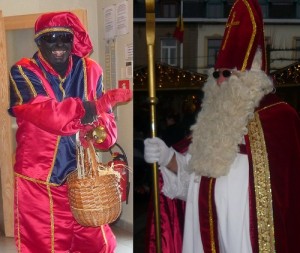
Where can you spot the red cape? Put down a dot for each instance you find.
(281, 128)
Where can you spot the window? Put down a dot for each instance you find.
(169, 11)
(169, 51)
(282, 9)
(215, 9)
(169, 8)
(213, 46)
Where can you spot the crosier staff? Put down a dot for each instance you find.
(150, 38)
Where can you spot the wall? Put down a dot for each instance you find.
(95, 27)
(124, 113)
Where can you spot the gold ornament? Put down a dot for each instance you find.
(98, 134)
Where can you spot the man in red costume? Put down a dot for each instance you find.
(241, 173)
(54, 95)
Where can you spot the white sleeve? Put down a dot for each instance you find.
(176, 185)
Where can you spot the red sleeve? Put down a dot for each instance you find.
(61, 118)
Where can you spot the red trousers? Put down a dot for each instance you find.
(44, 222)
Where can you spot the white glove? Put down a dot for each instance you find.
(157, 151)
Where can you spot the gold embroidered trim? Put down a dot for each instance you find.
(53, 29)
(18, 93)
(35, 180)
(262, 186)
(211, 218)
(33, 91)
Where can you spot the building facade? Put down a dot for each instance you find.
(203, 26)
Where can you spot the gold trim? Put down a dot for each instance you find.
(229, 25)
(266, 107)
(252, 36)
(85, 79)
(51, 218)
(101, 83)
(53, 29)
(17, 214)
(13, 83)
(43, 60)
(211, 218)
(44, 74)
(62, 80)
(262, 186)
(105, 239)
(234, 22)
(54, 159)
(34, 180)
(27, 81)
(48, 185)
(20, 67)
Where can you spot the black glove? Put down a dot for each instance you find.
(90, 112)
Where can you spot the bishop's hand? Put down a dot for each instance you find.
(157, 151)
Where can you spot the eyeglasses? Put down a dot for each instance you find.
(226, 73)
(54, 37)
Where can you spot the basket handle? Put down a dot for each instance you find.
(91, 153)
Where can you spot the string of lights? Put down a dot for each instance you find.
(169, 77)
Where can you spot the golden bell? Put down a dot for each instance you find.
(99, 134)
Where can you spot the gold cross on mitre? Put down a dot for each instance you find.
(229, 25)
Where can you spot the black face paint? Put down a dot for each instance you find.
(56, 48)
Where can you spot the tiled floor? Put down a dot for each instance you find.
(124, 239)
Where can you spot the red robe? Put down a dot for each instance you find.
(281, 131)
(48, 112)
(273, 148)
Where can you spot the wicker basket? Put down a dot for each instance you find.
(93, 190)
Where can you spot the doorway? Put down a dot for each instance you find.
(16, 41)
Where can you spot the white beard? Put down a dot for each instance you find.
(222, 122)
